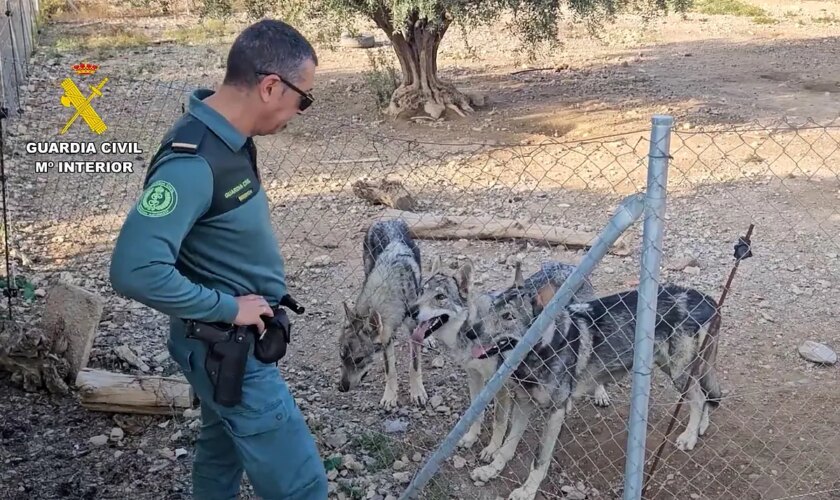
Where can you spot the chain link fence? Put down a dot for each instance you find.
(486, 210)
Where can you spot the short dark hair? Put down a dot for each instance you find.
(267, 46)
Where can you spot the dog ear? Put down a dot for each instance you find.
(347, 311)
(375, 321)
(544, 296)
(464, 278)
(517, 275)
(437, 265)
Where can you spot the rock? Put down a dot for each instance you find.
(332, 475)
(438, 362)
(402, 477)
(357, 42)
(192, 413)
(73, 313)
(458, 462)
(817, 353)
(319, 261)
(99, 440)
(416, 457)
(434, 109)
(435, 401)
(399, 465)
(337, 440)
(395, 426)
(350, 463)
(692, 270)
(126, 354)
(477, 100)
(684, 262)
(117, 434)
(180, 452)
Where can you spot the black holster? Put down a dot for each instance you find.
(272, 346)
(227, 353)
(228, 347)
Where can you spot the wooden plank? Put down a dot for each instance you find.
(102, 390)
(454, 227)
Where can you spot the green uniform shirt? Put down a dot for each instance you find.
(188, 268)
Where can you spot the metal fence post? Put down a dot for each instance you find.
(630, 209)
(657, 181)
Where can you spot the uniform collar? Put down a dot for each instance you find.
(215, 121)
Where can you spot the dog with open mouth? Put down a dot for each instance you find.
(589, 344)
(450, 310)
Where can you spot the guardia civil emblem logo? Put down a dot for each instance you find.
(158, 200)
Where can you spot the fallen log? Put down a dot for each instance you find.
(390, 193)
(454, 227)
(101, 390)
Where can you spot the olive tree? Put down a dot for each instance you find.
(416, 28)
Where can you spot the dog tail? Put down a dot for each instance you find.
(708, 376)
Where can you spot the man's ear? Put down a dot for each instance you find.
(464, 278)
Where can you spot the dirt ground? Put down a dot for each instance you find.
(558, 146)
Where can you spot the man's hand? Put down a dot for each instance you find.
(251, 307)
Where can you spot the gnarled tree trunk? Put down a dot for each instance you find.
(416, 51)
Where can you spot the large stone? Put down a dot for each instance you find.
(73, 313)
(817, 353)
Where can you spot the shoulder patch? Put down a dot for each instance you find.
(158, 200)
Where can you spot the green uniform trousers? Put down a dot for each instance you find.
(264, 436)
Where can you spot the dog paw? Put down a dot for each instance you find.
(522, 493)
(389, 400)
(485, 473)
(468, 441)
(600, 397)
(419, 396)
(686, 441)
(489, 452)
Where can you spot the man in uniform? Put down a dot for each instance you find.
(199, 247)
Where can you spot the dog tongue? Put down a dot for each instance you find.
(478, 351)
(419, 333)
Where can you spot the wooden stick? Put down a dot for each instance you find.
(454, 227)
(102, 390)
(352, 160)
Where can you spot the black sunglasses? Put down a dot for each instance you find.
(306, 97)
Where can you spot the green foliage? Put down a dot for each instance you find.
(257, 9)
(162, 6)
(728, 8)
(534, 21)
(383, 77)
(27, 289)
(215, 9)
(332, 463)
(380, 447)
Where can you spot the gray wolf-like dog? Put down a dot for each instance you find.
(392, 268)
(452, 312)
(592, 343)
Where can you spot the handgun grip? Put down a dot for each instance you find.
(288, 301)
